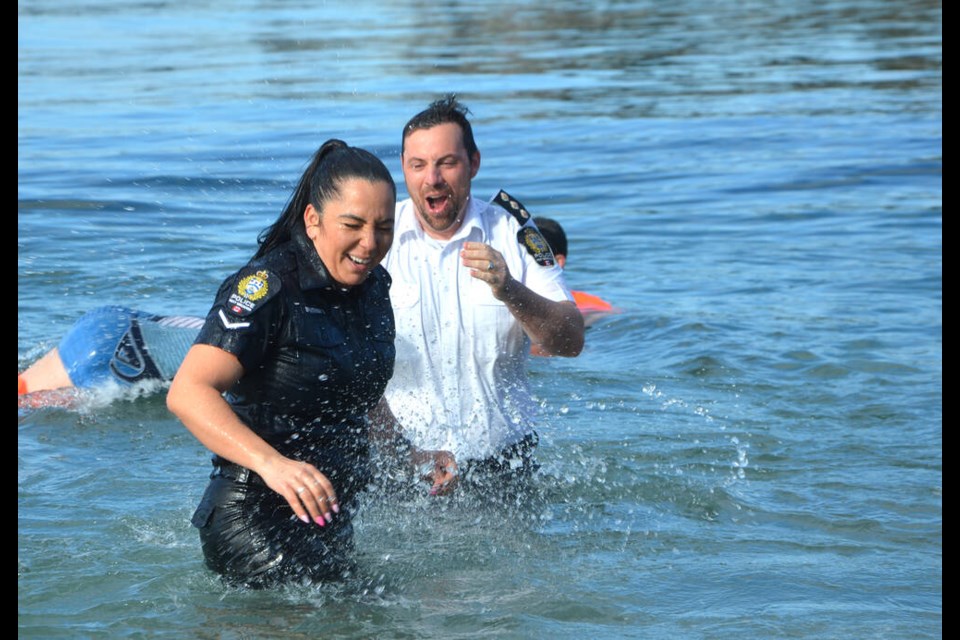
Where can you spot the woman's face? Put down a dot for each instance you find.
(354, 231)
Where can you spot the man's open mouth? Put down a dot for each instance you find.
(437, 202)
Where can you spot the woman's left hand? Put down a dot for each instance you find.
(442, 465)
(443, 472)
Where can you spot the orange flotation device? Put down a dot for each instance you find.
(589, 303)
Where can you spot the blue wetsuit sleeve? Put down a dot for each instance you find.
(89, 345)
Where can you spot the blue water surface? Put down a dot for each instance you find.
(752, 448)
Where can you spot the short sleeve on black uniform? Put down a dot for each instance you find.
(245, 316)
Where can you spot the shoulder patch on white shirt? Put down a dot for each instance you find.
(536, 244)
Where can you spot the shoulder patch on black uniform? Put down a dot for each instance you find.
(514, 206)
(252, 288)
(536, 244)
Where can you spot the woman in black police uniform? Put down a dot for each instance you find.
(300, 341)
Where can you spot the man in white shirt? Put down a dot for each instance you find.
(473, 285)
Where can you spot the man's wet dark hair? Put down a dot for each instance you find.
(442, 111)
(553, 234)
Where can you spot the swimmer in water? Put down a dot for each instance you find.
(592, 307)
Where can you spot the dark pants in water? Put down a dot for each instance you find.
(500, 478)
(504, 478)
(515, 462)
(251, 536)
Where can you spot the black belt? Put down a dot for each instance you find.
(235, 472)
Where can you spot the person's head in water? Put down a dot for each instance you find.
(344, 203)
(554, 235)
(440, 159)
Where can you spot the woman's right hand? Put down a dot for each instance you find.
(196, 398)
(308, 492)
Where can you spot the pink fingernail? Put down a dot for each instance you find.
(319, 521)
(328, 516)
(433, 492)
(336, 508)
(304, 518)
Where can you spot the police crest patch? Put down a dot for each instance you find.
(252, 290)
(536, 246)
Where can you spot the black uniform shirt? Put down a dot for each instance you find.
(316, 356)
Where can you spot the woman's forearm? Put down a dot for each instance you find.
(196, 398)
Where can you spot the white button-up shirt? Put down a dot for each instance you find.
(460, 381)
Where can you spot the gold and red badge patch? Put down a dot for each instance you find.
(252, 290)
(536, 246)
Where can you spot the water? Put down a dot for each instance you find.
(752, 449)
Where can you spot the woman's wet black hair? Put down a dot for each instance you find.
(332, 164)
(446, 109)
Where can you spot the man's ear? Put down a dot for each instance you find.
(474, 164)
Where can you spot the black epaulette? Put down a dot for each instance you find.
(513, 206)
(528, 235)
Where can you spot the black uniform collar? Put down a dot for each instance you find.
(313, 273)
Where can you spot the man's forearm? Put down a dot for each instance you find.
(556, 326)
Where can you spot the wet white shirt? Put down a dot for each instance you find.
(460, 381)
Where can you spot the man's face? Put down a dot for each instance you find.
(438, 172)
